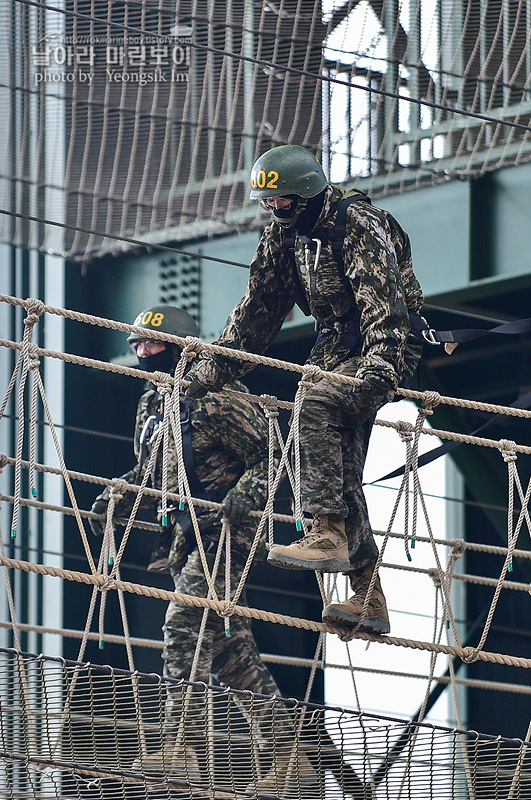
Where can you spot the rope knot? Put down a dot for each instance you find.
(163, 382)
(226, 609)
(508, 450)
(458, 547)
(193, 347)
(107, 584)
(34, 310)
(436, 578)
(33, 356)
(405, 430)
(431, 400)
(3, 461)
(118, 489)
(270, 404)
(311, 374)
(470, 655)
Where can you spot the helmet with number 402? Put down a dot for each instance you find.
(165, 319)
(288, 169)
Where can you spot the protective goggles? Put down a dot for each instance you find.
(151, 346)
(287, 207)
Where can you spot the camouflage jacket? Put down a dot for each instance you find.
(230, 448)
(378, 287)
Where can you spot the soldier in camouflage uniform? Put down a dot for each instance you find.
(230, 458)
(364, 295)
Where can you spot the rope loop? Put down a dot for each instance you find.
(508, 450)
(164, 389)
(431, 400)
(270, 405)
(405, 430)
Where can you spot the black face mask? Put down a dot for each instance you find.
(160, 362)
(286, 213)
(306, 222)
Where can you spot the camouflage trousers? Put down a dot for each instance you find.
(334, 437)
(230, 660)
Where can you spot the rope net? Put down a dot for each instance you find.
(74, 730)
(142, 120)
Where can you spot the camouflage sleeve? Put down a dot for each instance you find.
(243, 431)
(258, 317)
(371, 264)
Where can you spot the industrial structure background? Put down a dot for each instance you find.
(128, 133)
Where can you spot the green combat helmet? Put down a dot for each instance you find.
(285, 171)
(165, 319)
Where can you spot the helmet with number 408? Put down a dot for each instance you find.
(287, 171)
(165, 319)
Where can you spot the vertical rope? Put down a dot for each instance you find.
(270, 406)
(509, 456)
(310, 375)
(11, 385)
(66, 476)
(108, 553)
(33, 423)
(34, 309)
(198, 647)
(165, 391)
(225, 533)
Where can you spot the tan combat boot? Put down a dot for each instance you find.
(170, 762)
(347, 614)
(291, 775)
(324, 548)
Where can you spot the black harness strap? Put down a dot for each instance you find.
(468, 334)
(340, 228)
(196, 487)
(419, 326)
(336, 237)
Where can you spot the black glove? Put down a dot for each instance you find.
(236, 507)
(374, 385)
(99, 506)
(196, 389)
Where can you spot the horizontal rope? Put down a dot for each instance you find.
(107, 584)
(164, 378)
(460, 543)
(273, 658)
(132, 487)
(148, 526)
(242, 355)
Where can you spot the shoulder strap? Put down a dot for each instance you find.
(196, 487)
(339, 231)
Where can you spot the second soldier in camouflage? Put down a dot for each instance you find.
(225, 445)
